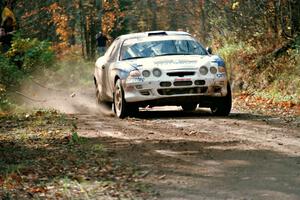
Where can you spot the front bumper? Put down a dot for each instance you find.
(166, 90)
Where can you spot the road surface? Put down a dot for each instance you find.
(194, 155)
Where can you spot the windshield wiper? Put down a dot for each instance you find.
(173, 54)
(136, 57)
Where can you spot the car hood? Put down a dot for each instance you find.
(180, 62)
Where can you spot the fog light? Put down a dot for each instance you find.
(203, 70)
(146, 73)
(213, 70)
(156, 72)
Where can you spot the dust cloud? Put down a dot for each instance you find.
(73, 93)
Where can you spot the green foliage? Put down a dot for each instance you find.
(10, 75)
(286, 84)
(296, 45)
(30, 54)
(7, 196)
(75, 139)
(230, 51)
(5, 104)
(24, 57)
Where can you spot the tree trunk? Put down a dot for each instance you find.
(275, 18)
(82, 28)
(153, 8)
(92, 39)
(295, 17)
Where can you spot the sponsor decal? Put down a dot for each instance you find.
(136, 66)
(219, 62)
(183, 79)
(176, 62)
(135, 80)
(124, 73)
(220, 75)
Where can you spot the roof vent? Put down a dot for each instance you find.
(157, 33)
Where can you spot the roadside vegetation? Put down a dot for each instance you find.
(25, 57)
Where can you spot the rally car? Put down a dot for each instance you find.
(161, 68)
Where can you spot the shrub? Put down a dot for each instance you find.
(10, 75)
(237, 57)
(230, 51)
(30, 54)
(24, 57)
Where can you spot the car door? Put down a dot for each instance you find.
(101, 73)
(109, 67)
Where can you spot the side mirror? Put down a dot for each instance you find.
(209, 50)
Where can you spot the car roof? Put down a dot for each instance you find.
(153, 33)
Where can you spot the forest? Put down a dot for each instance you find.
(258, 39)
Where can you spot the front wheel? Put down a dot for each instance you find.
(222, 106)
(120, 105)
(99, 97)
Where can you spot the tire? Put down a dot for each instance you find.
(222, 106)
(99, 98)
(133, 110)
(189, 107)
(121, 108)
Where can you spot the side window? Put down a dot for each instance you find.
(110, 48)
(114, 54)
(112, 57)
(197, 48)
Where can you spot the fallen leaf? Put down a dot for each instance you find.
(38, 190)
(162, 177)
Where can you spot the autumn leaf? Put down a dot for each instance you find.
(235, 5)
(37, 190)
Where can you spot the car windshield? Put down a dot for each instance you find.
(135, 50)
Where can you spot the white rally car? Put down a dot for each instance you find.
(161, 68)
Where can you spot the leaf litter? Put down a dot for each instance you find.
(43, 157)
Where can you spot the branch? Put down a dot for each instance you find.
(36, 100)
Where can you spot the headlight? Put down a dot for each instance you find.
(135, 73)
(157, 72)
(213, 70)
(203, 70)
(146, 73)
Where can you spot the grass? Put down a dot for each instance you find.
(278, 96)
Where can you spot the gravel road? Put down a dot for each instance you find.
(195, 155)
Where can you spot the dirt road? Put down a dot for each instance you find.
(194, 155)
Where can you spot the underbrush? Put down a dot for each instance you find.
(230, 52)
(278, 79)
(283, 78)
(30, 63)
(24, 58)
